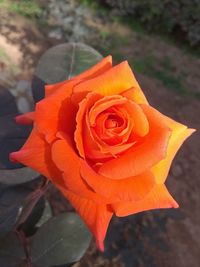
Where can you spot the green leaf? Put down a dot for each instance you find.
(12, 137)
(29, 226)
(7, 102)
(61, 240)
(17, 176)
(62, 62)
(11, 251)
(11, 201)
(46, 215)
(41, 213)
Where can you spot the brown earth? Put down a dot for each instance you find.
(167, 238)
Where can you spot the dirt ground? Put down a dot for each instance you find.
(167, 238)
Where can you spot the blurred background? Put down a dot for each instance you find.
(161, 41)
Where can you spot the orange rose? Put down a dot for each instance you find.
(104, 147)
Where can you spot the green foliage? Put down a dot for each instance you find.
(87, 2)
(12, 137)
(181, 17)
(27, 8)
(104, 34)
(69, 60)
(49, 240)
(12, 253)
(11, 201)
(62, 239)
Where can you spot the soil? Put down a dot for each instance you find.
(158, 238)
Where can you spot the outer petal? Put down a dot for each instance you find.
(52, 88)
(69, 164)
(180, 133)
(36, 154)
(26, 118)
(158, 198)
(140, 158)
(56, 113)
(129, 189)
(96, 217)
(136, 95)
(112, 82)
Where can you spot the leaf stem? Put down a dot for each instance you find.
(26, 247)
(29, 205)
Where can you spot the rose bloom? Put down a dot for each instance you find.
(102, 145)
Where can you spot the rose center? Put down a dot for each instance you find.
(113, 121)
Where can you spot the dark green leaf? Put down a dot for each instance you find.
(17, 176)
(11, 251)
(46, 215)
(61, 240)
(7, 102)
(37, 88)
(12, 137)
(29, 226)
(41, 213)
(11, 200)
(62, 62)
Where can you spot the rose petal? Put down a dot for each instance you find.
(96, 149)
(96, 217)
(35, 153)
(94, 146)
(112, 82)
(180, 133)
(56, 113)
(109, 142)
(140, 158)
(51, 88)
(103, 104)
(80, 118)
(136, 95)
(141, 125)
(25, 119)
(68, 162)
(122, 132)
(158, 198)
(128, 189)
